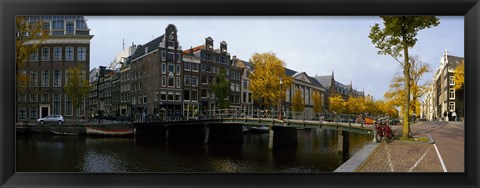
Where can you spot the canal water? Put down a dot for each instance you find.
(317, 150)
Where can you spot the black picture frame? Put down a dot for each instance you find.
(9, 9)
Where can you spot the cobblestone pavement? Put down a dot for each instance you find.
(401, 156)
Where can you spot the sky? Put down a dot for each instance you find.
(316, 45)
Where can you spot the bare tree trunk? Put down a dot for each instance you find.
(406, 74)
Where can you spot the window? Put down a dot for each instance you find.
(451, 80)
(186, 95)
(245, 84)
(57, 24)
(178, 82)
(177, 57)
(56, 104)
(45, 97)
(45, 78)
(81, 53)
(81, 24)
(163, 55)
(186, 66)
(57, 77)
(171, 81)
(163, 96)
(34, 56)
(170, 57)
(194, 95)
(178, 70)
(22, 113)
(23, 83)
(195, 67)
(67, 77)
(170, 43)
(33, 78)
(170, 96)
(207, 67)
(187, 81)
(451, 94)
(203, 93)
(46, 26)
(33, 113)
(57, 53)
(178, 96)
(451, 106)
(164, 82)
(69, 28)
(164, 68)
(194, 81)
(222, 60)
(22, 98)
(45, 54)
(69, 53)
(209, 57)
(171, 67)
(204, 80)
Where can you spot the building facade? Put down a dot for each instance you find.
(67, 46)
(445, 99)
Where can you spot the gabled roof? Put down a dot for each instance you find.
(325, 81)
(152, 45)
(290, 72)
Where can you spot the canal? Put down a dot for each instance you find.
(317, 150)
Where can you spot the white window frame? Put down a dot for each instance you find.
(450, 93)
(34, 57)
(67, 57)
(81, 54)
(47, 57)
(57, 53)
(451, 106)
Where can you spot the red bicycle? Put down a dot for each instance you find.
(384, 130)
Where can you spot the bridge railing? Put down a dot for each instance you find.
(274, 114)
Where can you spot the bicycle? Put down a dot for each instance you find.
(384, 130)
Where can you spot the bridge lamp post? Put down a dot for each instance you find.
(281, 99)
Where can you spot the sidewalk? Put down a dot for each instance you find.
(406, 156)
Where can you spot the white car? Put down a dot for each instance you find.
(52, 118)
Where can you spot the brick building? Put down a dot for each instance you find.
(67, 46)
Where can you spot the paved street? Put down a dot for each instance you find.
(401, 156)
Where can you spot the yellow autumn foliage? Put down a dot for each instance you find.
(268, 71)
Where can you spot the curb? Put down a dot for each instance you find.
(354, 162)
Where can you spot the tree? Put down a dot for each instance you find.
(265, 79)
(298, 103)
(337, 103)
(399, 34)
(418, 69)
(459, 76)
(221, 88)
(29, 37)
(77, 86)
(396, 93)
(317, 102)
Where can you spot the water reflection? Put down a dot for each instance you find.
(317, 150)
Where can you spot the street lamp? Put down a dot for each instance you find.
(281, 99)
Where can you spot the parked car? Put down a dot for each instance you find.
(52, 118)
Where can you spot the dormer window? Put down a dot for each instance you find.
(146, 50)
(170, 44)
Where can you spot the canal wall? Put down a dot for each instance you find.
(208, 133)
(71, 129)
(282, 136)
